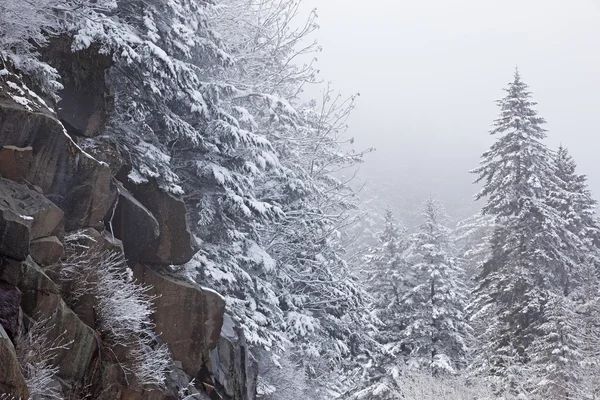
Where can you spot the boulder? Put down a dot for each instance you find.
(46, 251)
(233, 367)
(76, 182)
(187, 318)
(14, 162)
(11, 380)
(175, 244)
(41, 299)
(25, 215)
(10, 312)
(134, 225)
(46, 219)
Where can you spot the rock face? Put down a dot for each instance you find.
(188, 318)
(73, 180)
(175, 242)
(11, 379)
(51, 189)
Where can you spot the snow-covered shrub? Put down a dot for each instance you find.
(35, 353)
(123, 307)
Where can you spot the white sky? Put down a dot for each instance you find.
(429, 71)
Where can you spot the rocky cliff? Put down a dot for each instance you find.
(63, 207)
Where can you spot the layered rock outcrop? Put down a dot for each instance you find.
(51, 189)
(73, 180)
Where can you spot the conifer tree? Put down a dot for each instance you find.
(532, 251)
(578, 208)
(436, 333)
(389, 279)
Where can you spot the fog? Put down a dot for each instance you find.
(428, 72)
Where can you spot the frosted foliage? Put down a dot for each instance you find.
(36, 353)
(206, 104)
(123, 307)
(323, 300)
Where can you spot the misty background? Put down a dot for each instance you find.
(429, 71)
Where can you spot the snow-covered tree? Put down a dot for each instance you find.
(420, 299)
(532, 251)
(323, 303)
(435, 336)
(578, 208)
(385, 266)
(388, 279)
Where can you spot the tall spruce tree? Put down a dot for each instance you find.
(533, 253)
